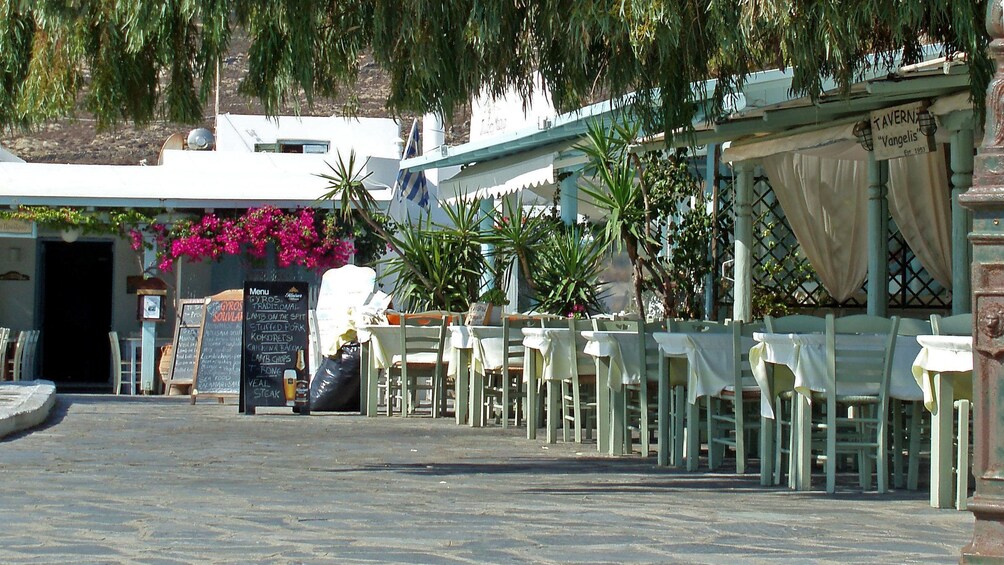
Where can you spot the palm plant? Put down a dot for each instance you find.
(568, 266)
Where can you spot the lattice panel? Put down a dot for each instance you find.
(783, 278)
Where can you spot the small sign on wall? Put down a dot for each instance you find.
(896, 132)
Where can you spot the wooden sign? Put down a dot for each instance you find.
(217, 371)
(896, 132)
(478, 314)
(185, 345)
(273, 362)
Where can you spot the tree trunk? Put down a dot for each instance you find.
(637, 276)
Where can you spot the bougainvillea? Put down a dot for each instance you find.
(300, 238)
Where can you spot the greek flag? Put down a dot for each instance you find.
(411, 185)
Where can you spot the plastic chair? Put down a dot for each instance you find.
(783, 404)
(862, 434)
(959, 324)
(732, 414)
(423, 338)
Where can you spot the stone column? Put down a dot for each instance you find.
(986, 200)
(878, 236)
(962, 180)
(742, 306)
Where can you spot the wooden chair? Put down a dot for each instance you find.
(863, 433)
(118, 365)
(504, 387)
(18, 363)
(784, 405)
(908, 420)
(641, 398)
(733, 413)
(689, 430)
(423, 338)
(576, 401)
(959, 324)
(4, 341)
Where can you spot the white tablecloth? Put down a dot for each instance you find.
(556, 346)
(385, 345)
(805, 355)
(485, 343)
(944, 354)
(709, 360)
(621, 348)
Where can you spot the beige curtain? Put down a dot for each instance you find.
(825, 202)
(920, 203)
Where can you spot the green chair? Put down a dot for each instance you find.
(784, 406)
(863, 431)
(640, 402)
(959, 324)
(504, 386)
(421, 365)
(908, 420)
(578, 404)
(690, 431)
(732, 415)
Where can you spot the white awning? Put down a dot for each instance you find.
(499, 177)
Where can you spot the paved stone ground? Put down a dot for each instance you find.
(155, 480)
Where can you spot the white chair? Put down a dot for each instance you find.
(4, 339)
(119, 365)
(960, 324)
(20, 348)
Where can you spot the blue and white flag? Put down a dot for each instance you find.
(410, 184)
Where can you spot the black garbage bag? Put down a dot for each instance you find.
(335, 386)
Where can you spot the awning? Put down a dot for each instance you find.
(500, 177)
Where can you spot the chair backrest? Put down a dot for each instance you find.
(914, 327)
(424, 333)
(31, 354)
(576, 327)
(852, 364)
(696, 326)
(959, 324)
(4, 339)
(742, 369)
(19, 349)
(116, 357)
(512, 338)
(795, 323)
(609, 325)
(649, 350)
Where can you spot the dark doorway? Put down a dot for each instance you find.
(76, 313)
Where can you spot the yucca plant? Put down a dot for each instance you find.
(567, 267)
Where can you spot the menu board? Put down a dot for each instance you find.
(273, 367)
(186, 341)
(217, 369)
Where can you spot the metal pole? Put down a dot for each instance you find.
(742, 306)
(878, 236)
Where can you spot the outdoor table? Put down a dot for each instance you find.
(380, 348)
(476, 349)
(805, 356)
(944, 371)
(708, 372)
(549, 355)
(617, 364)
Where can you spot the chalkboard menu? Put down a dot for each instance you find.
(274, 370)
(217, 368)
(186, 341)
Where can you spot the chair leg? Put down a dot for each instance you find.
(913, 470)
(678, 426)
(643, 424)
(898, 415)
(713, 460)
(504, 385)
(882, 453)
(577, 407)
(962, 457)
(831, 450)
(739, 416)
(693, 435)
(565, 429)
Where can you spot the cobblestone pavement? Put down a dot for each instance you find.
(155, 480)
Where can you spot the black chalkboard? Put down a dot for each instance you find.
(186, 341)
(218, 364)
(274, 370)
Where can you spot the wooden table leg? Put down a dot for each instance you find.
(664, 437)
(530, 373)
(941, 442)
(802, 426)
(461, 385)
(603, 433)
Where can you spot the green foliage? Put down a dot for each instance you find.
(516, 235)
(114, 222)
(140, 59)
(567, 266)
(654, 211)
(448, 258)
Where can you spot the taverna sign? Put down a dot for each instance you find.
(896, 132)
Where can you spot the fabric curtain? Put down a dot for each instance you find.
(920, 203)
(826, 204)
